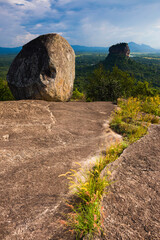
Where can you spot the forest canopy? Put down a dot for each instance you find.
(108, 85)
(96, 81)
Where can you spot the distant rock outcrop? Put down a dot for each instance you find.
(44, 69)
(120, 49)
(119, 56)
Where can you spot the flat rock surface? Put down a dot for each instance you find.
(39, 141)
(132, 207)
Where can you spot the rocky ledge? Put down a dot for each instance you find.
(39, 141)
(132, 205)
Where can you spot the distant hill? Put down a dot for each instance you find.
(134, 47)
(10, 50)
(78, 48)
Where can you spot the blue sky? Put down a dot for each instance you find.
(81, 22)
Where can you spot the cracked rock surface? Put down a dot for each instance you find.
(39, 141)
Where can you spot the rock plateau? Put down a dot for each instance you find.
(40, 140)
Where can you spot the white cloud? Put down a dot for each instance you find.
(23, 39)
(157, 24)
(38, 7)
(62, 2)
(38, 25)
(84, 22)
(13, 19)
(102, 33)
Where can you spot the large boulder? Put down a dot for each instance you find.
(44, 69)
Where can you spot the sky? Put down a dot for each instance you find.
(81, 22)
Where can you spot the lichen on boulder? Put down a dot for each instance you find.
(44, 69)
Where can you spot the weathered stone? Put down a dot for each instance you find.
(120, 49)
(44, 69)
(38, 143)
(40, 140)
(132, 206)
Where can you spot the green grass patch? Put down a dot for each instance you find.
(133, 117)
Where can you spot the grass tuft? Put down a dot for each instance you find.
(87, 214)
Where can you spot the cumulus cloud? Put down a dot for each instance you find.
(103, 27)
(102, 32)
(20, 20)
(24, 38)
(85, 22)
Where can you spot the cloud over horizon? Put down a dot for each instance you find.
(85, 22)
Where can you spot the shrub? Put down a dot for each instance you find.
(5, 93)
(78, 96)
(132, 119)
(151, 105)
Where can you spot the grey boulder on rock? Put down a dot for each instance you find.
(44, 69)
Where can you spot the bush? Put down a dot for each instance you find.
(78, 96)
(5, 93)
(133, 117)
(152, 105)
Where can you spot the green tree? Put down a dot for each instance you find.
(5, 93)
(124, 81)
(97, 85)
(108, 86)
(143, 89)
